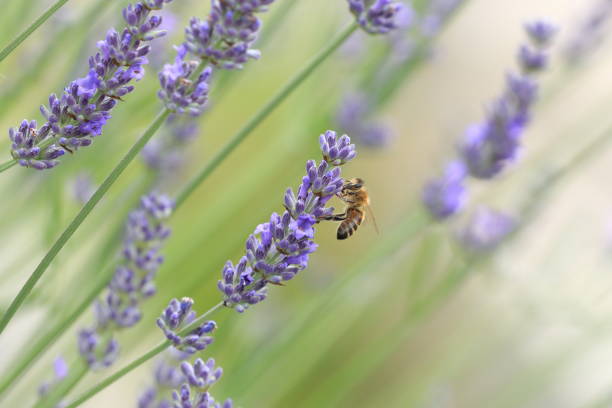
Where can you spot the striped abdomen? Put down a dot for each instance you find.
(354, 218)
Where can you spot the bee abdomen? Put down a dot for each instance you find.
(350, 225)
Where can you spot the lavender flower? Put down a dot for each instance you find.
(80, 113)
(352, 117)
(190, 382)
(590, 33)
(377, 16)
(166, 154)
(177, 316)
(132, 282)
(221, 41)
(60, 372)
(83, 187)
(200, 377)
(486, 230)
(436, 14)
(279, 249)
(178, 91)
(446, 195)
(167, 376)
(490, 145)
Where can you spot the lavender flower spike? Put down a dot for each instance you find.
(486, 230)
(200, 377)
(190, 382)
(446, 196)
(132, 282)
(177, 316)
(80, 113)
(279, 249)
(489, 146)
(180, 93)
(377, 16)
(222, 41)
(225, 38)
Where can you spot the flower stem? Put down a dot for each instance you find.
(7, 165)
(139, 361)
(264, 113)
(33, 27)
(80, 217)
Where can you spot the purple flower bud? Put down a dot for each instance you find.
(446, 196)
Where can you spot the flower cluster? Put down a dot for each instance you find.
(79, 114)
(194, 392)
(225, 38)
(221, 41)
(486, 229)
(352, 117)
(490, 145)
(132, 281)
(438, 11)
(446, 195)
(190, 382)
(280, 248)
(377, 16)
(167, 375)
(166, 154)
(179, 92)
(177, 316)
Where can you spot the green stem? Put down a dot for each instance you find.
(33, 27)
(7, 165)
(80, 217)
(139, 361)
(264, 113)
(52, 335)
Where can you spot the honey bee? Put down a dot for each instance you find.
(357, 200)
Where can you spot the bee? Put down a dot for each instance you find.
(357, 200)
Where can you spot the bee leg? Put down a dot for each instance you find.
(334, 217)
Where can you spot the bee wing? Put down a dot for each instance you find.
(371, 214)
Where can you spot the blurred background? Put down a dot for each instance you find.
(403, 318)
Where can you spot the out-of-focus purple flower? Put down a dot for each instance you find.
(177, 316)
(590, 34)
(541, 32)
(491, 144)
(60, 372)
(446, 195)
(167, 376)
(486, 229)
(80, 113)
(166, 153)
(352, 118)
(280, 248)
(379, 16)
(132, 282)
(436, 14)
(83, 187)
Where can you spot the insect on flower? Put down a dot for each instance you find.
(357, 200)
